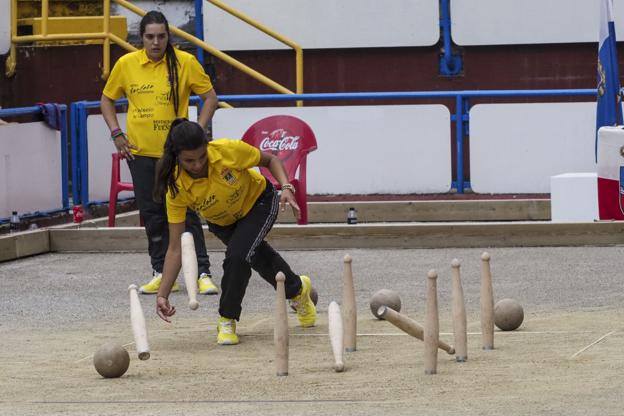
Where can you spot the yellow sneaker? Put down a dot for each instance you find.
(302, 303)
(154, 284)
(226, 332)
(205, 285)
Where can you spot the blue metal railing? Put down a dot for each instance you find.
(36, 110)
(449, 64)
(461, 118)
(199, 28)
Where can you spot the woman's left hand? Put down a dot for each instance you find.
(164, 309)
(287, 197)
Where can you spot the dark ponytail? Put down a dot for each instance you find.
(172, 60)
(183, 135)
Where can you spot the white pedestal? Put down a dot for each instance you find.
(574, 197)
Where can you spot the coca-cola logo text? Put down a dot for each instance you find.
(279, 140)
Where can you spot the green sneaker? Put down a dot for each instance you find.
(226, 332)
(302, 303)
(154, 284)
(205, 286)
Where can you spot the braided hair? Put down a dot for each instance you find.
(172, 61)
(183, 135)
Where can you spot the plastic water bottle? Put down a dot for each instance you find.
(352, 216)
(14, 224)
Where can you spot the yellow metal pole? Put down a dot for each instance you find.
(44, 17)
(106, 45)
(59, 36)
(119, 41)
(254, 23)
(217, 53)
(11, 62)
(299, 73)
(274, 35)
(228, 59)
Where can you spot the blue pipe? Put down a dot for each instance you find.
(383, 95)
(74, 118)
(64, 157)
(460, 117)
(449, 64)
(199, 28)
(459, 142)
(84, 154)
(7, 112)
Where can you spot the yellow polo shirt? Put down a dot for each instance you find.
(146, 85)
(230, 190)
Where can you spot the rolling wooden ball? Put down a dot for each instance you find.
(508, 314)
(385, 297)
(111, 360)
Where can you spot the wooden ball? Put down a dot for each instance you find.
(508, 314)
(111, 360)
(385, 297)
(313, 295)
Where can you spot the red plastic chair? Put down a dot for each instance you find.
(290, 139)
(116, 186)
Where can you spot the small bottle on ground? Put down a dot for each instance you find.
(352, 216)
(14, 224)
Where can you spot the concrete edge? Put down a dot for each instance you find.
(386, 235)
(23, 244)
(398, 211)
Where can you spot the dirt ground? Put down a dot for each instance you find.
(548, 366)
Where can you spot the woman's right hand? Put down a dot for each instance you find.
(164, 309)
(123, 147)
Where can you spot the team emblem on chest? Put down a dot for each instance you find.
(228, 176)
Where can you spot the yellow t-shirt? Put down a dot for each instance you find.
(146, 85)
(230, 190)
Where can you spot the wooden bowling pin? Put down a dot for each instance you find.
(189, 268)
(458, 308)
(139, 329)
(336, 335)
(487, 303)
(432, 324)
(348, 305)
(280, 331)
(409, 326)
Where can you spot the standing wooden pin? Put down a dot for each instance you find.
(348, 305)
(487, 303)
(139, 329)
(336, 334)
(280, 332)
(432, 324)
(458, 308)
(189, 268)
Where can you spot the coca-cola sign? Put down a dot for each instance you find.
(278, 140)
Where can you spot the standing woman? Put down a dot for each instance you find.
(158, 81)
(216, 180)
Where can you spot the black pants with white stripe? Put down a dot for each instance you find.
(154, 215)
(246, 249)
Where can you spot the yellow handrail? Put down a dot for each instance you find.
(44, 17)
(106, 46)
(217, 53)
(109, 37)
(274, 35)
(11, 61)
